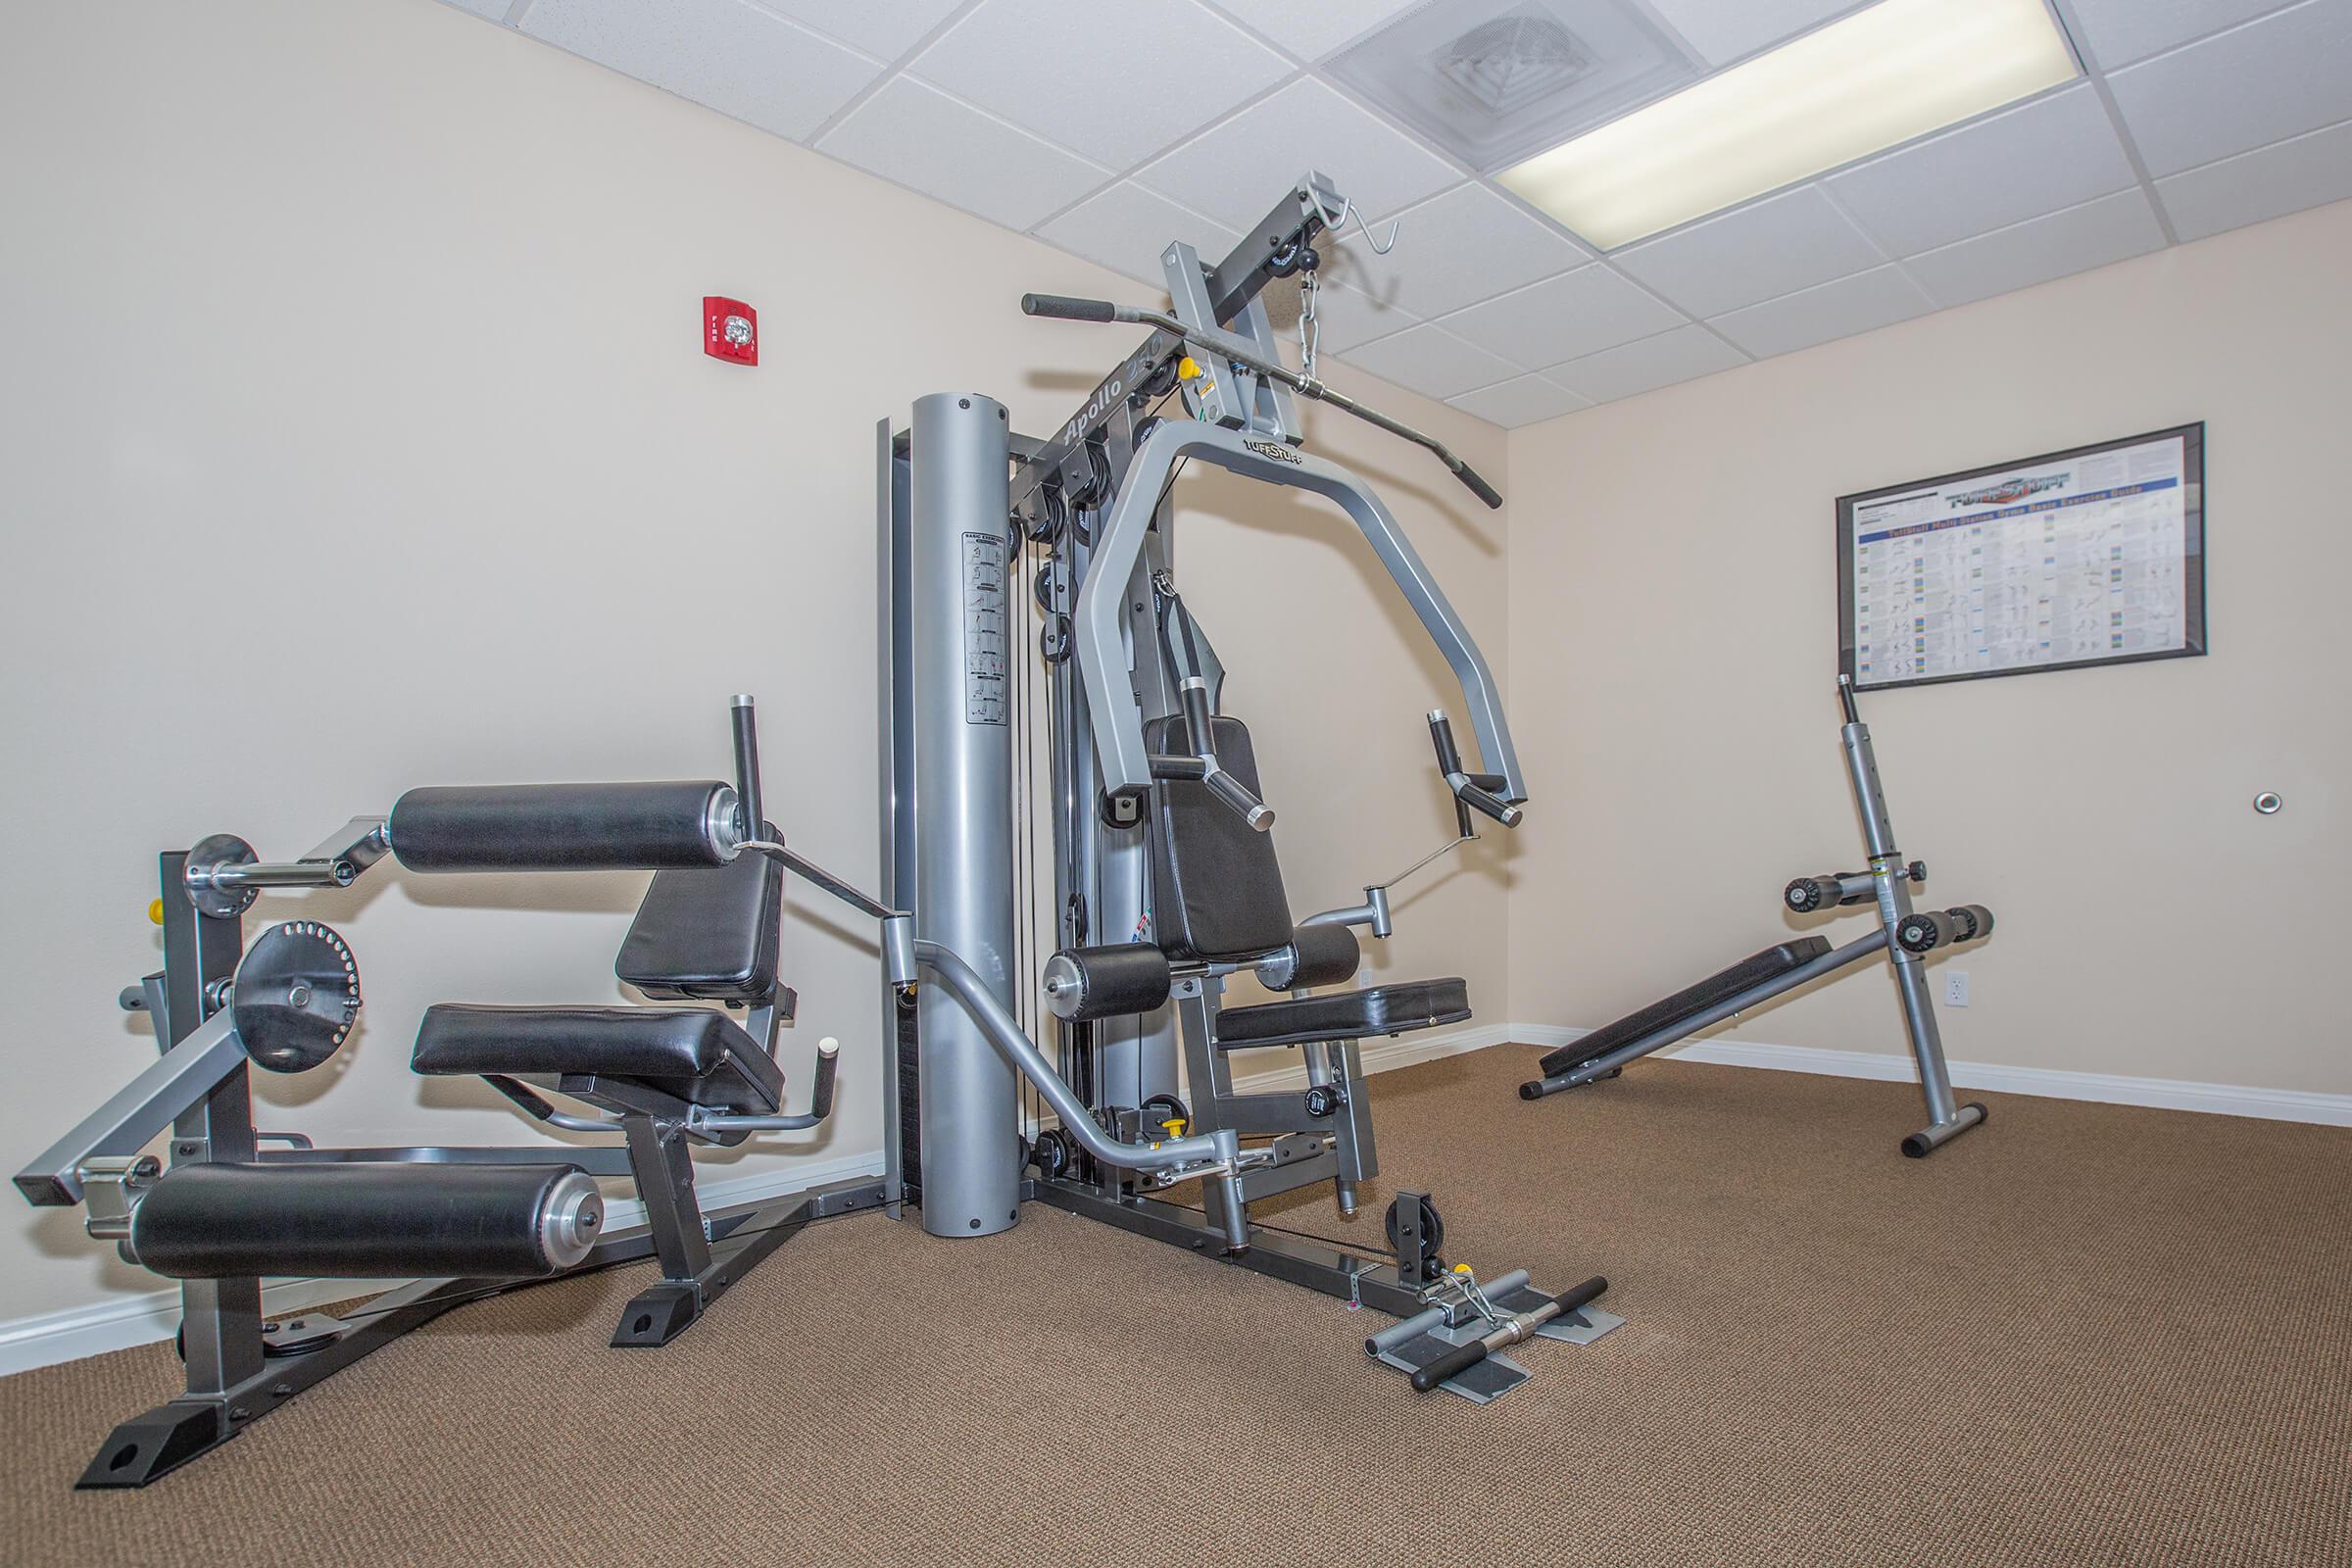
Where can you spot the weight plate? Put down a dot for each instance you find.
(297, 995)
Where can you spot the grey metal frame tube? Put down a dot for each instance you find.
(1945, 1120)
(1101, 649)
(959, 566)
(173, 1085)
(1020, 1053)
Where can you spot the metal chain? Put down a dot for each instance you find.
(1310, 329)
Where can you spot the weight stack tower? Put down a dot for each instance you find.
(947, 839)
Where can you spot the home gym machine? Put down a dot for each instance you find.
(1028, 604)
(1030, 595)
(219, 1212)
(1905, 935)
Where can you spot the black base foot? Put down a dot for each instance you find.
(1539, 1088)
(163, 1439)
(659, 1315)
(1920, 1145)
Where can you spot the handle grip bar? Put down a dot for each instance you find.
(1462, 1357)
(1230, 792)
(1472, 792)
(1066, 308)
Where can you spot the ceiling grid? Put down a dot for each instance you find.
(2190, 117)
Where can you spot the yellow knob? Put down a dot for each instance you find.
(1187, 369)
(155, 912)
(1461, 1268)
(1173, 1126)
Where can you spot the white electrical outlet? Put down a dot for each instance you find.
(1955, 988)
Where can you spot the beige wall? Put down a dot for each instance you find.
(385, 321)
(1672, 617)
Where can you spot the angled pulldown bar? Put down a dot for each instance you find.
(1100, 637)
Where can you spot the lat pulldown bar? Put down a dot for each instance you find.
(1210, 340)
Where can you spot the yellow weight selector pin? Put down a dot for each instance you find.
(155, 912)
(1187, 369)
(1173, 1126)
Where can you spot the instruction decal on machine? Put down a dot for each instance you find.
(2087, 556)
(984, 633)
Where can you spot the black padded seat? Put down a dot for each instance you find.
(691, 1054)
(1345, 1014)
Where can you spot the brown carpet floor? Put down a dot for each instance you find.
(2080, 1335)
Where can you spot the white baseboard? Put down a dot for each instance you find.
(2050, 1083)
(120, 1322)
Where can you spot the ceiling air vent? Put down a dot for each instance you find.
(1493, 81)
(1513, 63)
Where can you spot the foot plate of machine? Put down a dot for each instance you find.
(1498, 1374)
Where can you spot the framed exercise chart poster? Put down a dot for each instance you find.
(2095, 556)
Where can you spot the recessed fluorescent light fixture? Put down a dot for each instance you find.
(1898, 69)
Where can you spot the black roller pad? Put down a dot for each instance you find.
(356, 1220)
(557, 827)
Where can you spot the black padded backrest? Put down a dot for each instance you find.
(1219, 887)
(707, 934)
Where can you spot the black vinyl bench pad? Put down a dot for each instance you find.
(1690, 1001)
(693, 1053)
(1345, 1014)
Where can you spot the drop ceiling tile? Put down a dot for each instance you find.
(2055, 152)
(1126, 227)
(1312, 29)
(1680, 355)
(1072, 70)
(1430, 361)
(2269, 182)
(2120, 32)
(885, 29)
(1234, 171)
(1777, 246)
(2263, 82)
(1564, 317)
(1467, 245)
(1346, 317)
(1521, 401)
(1725, 31)
(2109, 230)
(493, 10)
(740, 61)
(1857, 304)
(920, 138)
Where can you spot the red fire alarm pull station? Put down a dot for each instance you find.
(730, 330)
